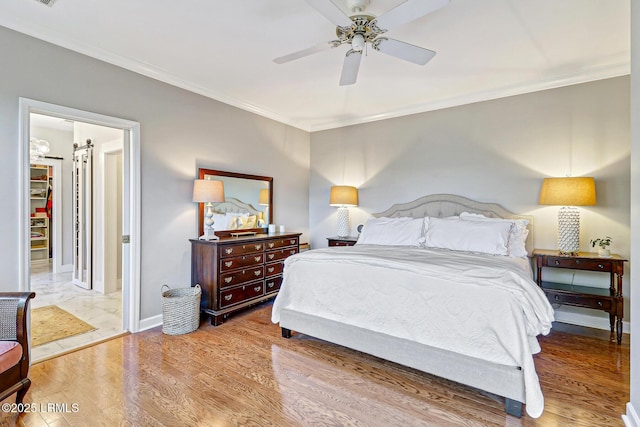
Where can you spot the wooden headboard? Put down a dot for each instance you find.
(443, 205)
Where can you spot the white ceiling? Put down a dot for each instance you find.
(224, 50)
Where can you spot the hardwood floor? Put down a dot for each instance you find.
(244, 373)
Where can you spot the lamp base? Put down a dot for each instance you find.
(343, 222)
(568, 230)
(211, 237)
(209, 233)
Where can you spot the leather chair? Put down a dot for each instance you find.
(14, 344)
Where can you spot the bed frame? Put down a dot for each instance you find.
(502, 380)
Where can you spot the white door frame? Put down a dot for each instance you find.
(131, 194)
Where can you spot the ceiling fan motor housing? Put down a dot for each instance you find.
(360, 32)
(357, 6)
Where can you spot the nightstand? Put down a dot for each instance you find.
(342, 241)
(609, 300)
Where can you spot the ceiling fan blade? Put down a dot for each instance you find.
(305, 52)
(350, 68)
(408, 52)
(329, 10)
(407, 12)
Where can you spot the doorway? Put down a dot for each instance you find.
(117, 271)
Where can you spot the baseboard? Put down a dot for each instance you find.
(150, 322)
(631, 419)
(65, 268)
(588, 321)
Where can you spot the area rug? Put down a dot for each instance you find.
(51, 323)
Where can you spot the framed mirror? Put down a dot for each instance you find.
(248, 204)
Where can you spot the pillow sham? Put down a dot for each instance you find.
(220, 221)
(392, 231)
(468, 235)
(518, 235)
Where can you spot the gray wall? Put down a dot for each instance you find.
(495, 151)
(180, 131)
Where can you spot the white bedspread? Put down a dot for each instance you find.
(482, 306)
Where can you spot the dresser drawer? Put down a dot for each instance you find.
(240, 294)
(279, 243)
(238, 277)
(579, 264)
(586, 301)
(273, 284)
(232, 263)
(241, 249)
(280, 254)
(273, 269)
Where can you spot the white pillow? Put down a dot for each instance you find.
(518, 234)
(220, 221)
(468, 235)
(392, 231)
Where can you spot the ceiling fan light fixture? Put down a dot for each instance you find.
(358, 42)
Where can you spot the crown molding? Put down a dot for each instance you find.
(598, 73)
(593, 74)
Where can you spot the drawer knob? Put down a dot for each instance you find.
(228, 297)
(228, 263)
(600, 266)
(228, 279)
(271, 245)
(292, 242)
(270, 284)
(258, 258)
(257, 288)
(271, 256)
(577, 261)
(600, 303)
(258, 247)
(557, 262)
(257, 273)
(270, 269)
(556, 297)
(229, 251)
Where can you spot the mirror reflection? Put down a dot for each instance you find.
(247, 204)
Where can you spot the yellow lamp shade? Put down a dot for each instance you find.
(568, 191)
(263, 198)
(343, 195)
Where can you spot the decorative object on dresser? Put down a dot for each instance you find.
(343, 196)
(241, 209)
(208, 191)
(609, 300)
(342, 241)
(568, 192)
(603, 243)
(237, 272)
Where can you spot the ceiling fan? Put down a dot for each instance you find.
(361, 28)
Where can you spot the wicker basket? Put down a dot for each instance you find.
(180, 310)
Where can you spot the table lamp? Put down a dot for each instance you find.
(568, 193)
(263, 200)
(343, 196)
(209, 192)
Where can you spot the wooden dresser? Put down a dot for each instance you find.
(236, 272)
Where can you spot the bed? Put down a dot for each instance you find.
(466, 315)
(234, 214)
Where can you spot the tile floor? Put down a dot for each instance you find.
(104, 312)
